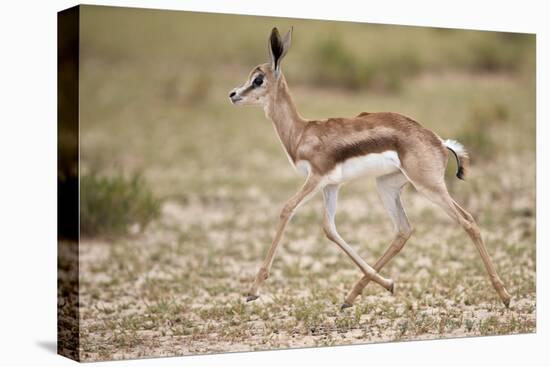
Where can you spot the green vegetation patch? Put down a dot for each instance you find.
(110, 205)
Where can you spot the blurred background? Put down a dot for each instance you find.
(180, 190)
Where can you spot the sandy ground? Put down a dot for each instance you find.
(177, 288)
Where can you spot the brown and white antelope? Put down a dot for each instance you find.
(390, 147)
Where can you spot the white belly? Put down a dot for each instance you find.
(374, 165)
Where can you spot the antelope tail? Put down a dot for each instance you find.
(461, 156)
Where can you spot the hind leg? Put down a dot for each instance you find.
(330, 193)
(389, 188)
(473, 231)
(439, 195)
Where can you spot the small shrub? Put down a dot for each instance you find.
(198, 90)
(490, 326)
(311, 314)
(477, 134)
(477, 139)
(489, 113)
(389, 70)
(336, 66)
(469, 325)
(496, 54)
(110, 205)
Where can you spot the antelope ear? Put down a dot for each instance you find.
(278, 48)
(287, 40)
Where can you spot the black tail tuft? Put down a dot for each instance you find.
(460, 173)
(461, 162)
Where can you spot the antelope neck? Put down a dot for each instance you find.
(288, 123)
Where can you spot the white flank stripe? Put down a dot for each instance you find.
(374, 165)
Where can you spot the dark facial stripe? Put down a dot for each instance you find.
(247, 89)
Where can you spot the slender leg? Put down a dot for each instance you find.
(330, 193)
(309, 188)
(441, 197)
(389, 188)
(471, 227)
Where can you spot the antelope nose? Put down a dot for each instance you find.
(232, 94)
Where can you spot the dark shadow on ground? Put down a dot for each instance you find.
(49, 345)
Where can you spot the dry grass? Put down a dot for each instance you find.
(178, 288)
(158, 105)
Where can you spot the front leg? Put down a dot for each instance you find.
(309, 188)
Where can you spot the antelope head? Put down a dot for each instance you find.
(263, 81)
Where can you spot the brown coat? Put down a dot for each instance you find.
(326, 143)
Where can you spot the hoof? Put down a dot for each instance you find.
(507, 302)
(345, 305)
(392, 288)
(251, 297)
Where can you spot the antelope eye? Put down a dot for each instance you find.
(258, 81)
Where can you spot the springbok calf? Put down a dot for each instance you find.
(391, 147)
